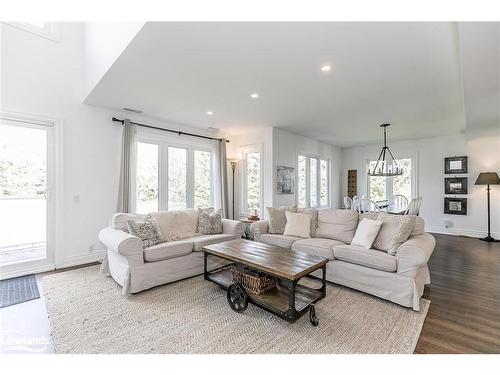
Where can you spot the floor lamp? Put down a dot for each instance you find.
(234, 163)
(488, 178)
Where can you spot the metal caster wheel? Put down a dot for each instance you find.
(237, 298)
(312, 316)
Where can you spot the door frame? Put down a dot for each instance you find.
(55, 193)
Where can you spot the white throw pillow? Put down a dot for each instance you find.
(297, 225)
(366, 233)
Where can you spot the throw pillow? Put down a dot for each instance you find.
(366, 233)
(313, 212)
(209, 222)
(297, 225)
(146, 230)
(395, 230)
(277, 218)
(337, 225)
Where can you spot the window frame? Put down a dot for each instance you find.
(244, 151)
(165, 141)
(308, 158)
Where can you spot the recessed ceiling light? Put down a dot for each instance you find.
(210, 113)
(254, 95)
(326, 68)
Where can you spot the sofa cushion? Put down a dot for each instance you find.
(419, 227)
(147, 230)
(209, 239)
(337, 225)
(366, 232)
(370, 258)
(209, 221)
(313, 212)
(177, 224)
(279, 240)
(168, 250)
(395, 230)
(316, 246)
(277, 218)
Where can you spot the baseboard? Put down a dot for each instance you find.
(26, 271)
(460, 232)
(76, 260)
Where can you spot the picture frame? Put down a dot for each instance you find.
(455, 164)
(455, 206)
(455, 185)
(285, 177)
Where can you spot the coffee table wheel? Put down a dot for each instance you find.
(312, 316)
(237, 298)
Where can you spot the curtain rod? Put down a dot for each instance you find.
(168, 130)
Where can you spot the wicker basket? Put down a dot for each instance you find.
(253, 281)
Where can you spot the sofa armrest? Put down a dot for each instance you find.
(258, 228)
(414, 253)
(233, 227)
(121, 242)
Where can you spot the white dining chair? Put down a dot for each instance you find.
(356, 200)
(399, 200)
(414, 206)
(347, 202)
(367, 205)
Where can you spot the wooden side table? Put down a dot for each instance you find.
(247, 234)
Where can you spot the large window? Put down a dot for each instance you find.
(252, 179)
(172, 176)
(313, 182)
(384, 188)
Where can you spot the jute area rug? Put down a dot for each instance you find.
(88, 314)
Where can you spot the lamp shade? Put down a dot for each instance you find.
(488, 178)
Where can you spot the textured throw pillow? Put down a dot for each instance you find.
(313, 212)
(394, 231)
(277, 218)
(209, 222)
(337, 225)
(366, 233)
(146, 230)
(367, 215)
(297, 225)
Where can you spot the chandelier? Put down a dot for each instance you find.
(386, 165)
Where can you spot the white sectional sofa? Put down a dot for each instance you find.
(137, 269)
(399, 278)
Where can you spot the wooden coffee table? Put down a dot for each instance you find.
(289, 300)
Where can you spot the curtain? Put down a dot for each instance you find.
(127, 170)
(222, 188)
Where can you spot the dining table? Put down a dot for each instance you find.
(391, 208)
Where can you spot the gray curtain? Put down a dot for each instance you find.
(223, 189)
(126, 171)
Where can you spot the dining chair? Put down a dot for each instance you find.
(355, 203)
(414, 206)
(399, 200)
(367, 205)
(347, 202)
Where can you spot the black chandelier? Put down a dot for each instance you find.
(384, 166)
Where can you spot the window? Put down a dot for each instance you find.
(251, 179)
(172, 175)
(384, 188)
(202, 178)
(147, 178)
(313, 182)
(177, 163)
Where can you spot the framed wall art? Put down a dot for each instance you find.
(286, 180)
(455, 164)
(455, 185)
(455, 206)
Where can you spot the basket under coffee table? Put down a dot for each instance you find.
(289, 299)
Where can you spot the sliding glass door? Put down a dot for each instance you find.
(25, 197)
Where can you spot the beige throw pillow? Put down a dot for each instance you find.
(297, 225)
(395, 230)
(277, 218)
(366, 233)
(313, 212)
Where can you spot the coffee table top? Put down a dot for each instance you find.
(274, 260)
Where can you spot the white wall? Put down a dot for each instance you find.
(287, 146)
(482, 147)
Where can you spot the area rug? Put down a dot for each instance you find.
(18, 290)
(88, 314)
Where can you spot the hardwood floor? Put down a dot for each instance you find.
(464, 315)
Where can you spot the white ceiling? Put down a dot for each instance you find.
(407, 74)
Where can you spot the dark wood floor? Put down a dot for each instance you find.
(464, 315)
